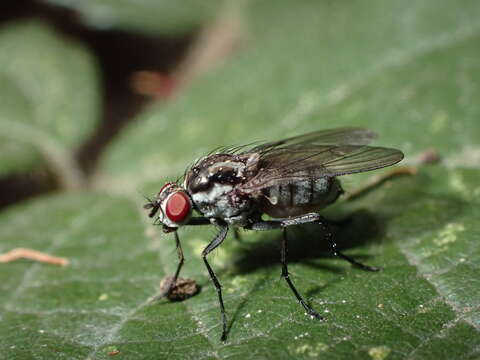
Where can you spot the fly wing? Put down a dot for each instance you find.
(338, 136)
(307, 157)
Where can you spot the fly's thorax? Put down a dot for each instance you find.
(212, 183)
(300, 197)
(226, 169)
(219, 201)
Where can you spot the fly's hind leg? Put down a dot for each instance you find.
(282, 224)
(316, 219)
(298, 220)
(310, 311)
(334, 249)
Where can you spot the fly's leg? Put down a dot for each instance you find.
(298, 220)
(210, 247)
(171, 284)
(326, 227)
(281, 223)
(236, 234)
(181, 260)
(270, 225)
(169, 287)
(286, 276)
(324, 223)
(198, 220)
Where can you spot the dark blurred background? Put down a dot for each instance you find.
(136, 69)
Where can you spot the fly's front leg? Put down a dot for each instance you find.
(198, 220)
(181, 259)
(171, 284)
(210, 247)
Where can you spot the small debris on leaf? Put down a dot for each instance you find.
(22, 253)
(427, 157)
(181, 290)
(377, 180)
(112, 350)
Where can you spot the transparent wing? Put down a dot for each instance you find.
(338, 136)
(324, 153)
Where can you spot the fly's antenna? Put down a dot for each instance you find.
(151, 204)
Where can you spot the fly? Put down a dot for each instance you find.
(290, 180)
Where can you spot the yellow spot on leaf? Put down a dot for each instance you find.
(312, 351)
(449, 234)
(379, 352)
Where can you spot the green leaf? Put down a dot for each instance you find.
(49, 99)
(422, 230)
(407, 72)
(150, 17)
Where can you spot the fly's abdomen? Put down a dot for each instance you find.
(300, 197)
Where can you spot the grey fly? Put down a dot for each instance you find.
(289, 180)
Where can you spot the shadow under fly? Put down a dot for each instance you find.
(307, 243)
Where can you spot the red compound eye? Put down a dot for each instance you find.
(178, 206)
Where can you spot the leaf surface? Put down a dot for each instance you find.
(407, 72)
(424, 301)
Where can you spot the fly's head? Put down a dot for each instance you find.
(172, 206)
